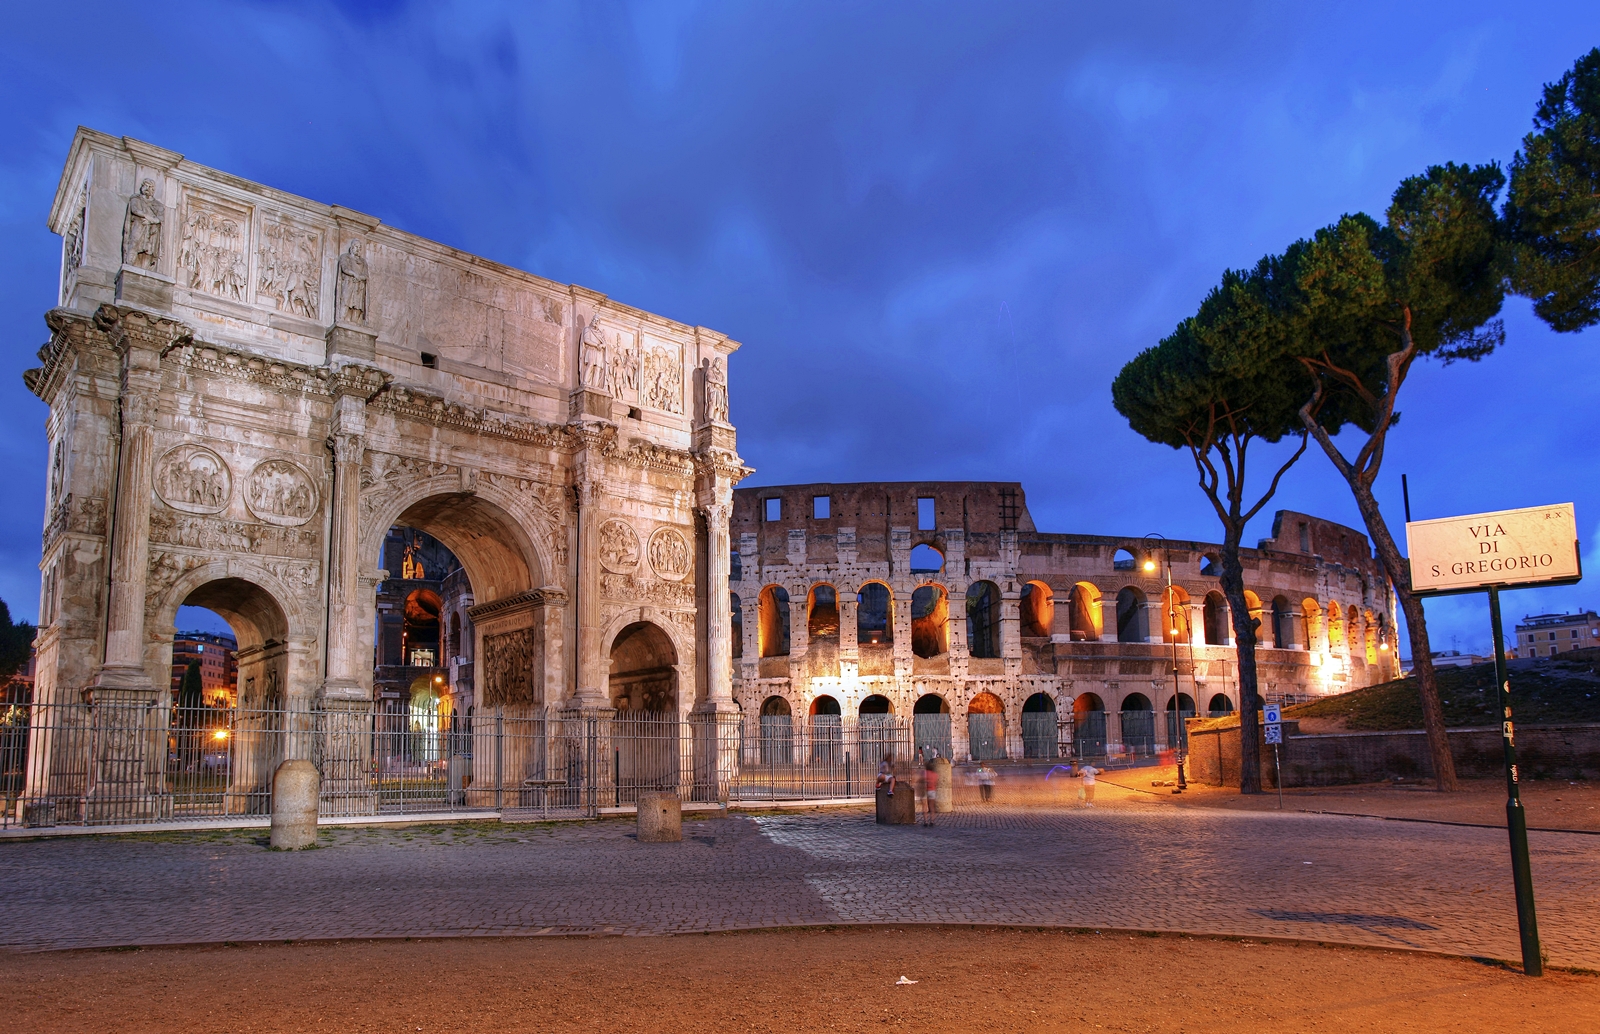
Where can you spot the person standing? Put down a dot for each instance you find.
(1088, 772)
(986, 783)
(930, 783)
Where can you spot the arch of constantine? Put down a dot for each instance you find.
(248, 389)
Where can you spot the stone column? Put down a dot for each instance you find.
(591, 666)
(1108, 618)
(345, 647)
(1155, 620)
(719, 620)
(1197, 624)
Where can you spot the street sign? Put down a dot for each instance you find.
(1270, 714)
(1274, 733)
(1536, 545)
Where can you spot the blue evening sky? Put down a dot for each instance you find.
(939, 229)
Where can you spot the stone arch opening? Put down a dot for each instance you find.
(1133, 619)
(1210, 565)
(826, 706)
(777, 731)
(497, 553)
(1039, 727)
(1123, 560)
(983, 619)
(930, 724)
(736, 611)
(1283, 636)
(926, 559)
(930, 621)
(1311, 611)
(643, 676)
(874, 615)
(986, 728)
(1088, 725)
(822, 613)
(1138, 720)
(1084, 601)
(1216, 619)
(775, 707)
(1038, 609)
(1335, 618)
(1220, 704)
(773, 630)
(876, 704)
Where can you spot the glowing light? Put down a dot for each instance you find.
(1149, 564)
(220, 734)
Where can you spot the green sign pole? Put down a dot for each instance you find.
(1516, 818)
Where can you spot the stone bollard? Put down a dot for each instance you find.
(899, 810)
(945, 802)
(294, 805)
(660, 818)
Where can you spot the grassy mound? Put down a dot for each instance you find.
(1560, 689)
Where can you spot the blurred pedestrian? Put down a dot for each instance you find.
(1086, 791)
(986, 783)
(930, 782)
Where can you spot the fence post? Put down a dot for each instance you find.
(499, 758)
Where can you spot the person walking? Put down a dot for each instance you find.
(1086, 793)
(930, 783)
(986, 783)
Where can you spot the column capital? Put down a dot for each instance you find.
(347, 447)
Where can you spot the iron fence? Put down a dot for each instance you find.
(825, 757)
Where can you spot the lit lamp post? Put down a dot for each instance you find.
(1170, 616)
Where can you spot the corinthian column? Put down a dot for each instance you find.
(591, 665)
(345, 652)
(719, 617)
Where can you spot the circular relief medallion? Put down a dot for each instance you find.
(619, 547)
(194, 479)
(281, 492)
(669, 554)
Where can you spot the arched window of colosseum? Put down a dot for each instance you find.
(1087, 703)
(930, 621)
(930, 724)
(874, 615)
(926, 560)
(1133, 622)
(1038, 609)
(773, 631)
(1210, 566)
(1252, 604)
(822, 613)
(1175, 615)
(1040, 734)
(1122, 560)
(1085, 603)
(875, 704)
(1313, 622)
(1136, 702)
(737, 609)
(777, 731)
(825, 706)
(1371, 637)
(1335, 628)
(1220, 705)
(1282, 624)
(983, 619)
(931, 703)
(1216, 619)
(775, 707)
(735, 566)
(454, 646)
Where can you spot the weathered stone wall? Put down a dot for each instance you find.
(1543, 751)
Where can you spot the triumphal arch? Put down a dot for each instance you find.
(247, 389)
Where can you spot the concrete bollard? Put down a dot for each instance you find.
(899, 810)
(945, 802)
(294, 805)
(660, 818)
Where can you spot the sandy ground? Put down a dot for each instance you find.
(1549, 804)
(789, 981)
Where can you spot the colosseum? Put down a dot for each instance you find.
(943, 601)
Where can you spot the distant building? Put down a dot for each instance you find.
(218, 656)
(1447, 659)
(1545, 635)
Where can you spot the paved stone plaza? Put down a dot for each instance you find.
(1398, 884)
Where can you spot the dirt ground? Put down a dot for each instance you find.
(788, 981)
(1549, 804)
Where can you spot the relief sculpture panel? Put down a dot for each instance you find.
(193, 479)
(289, 268)
(669, 554)
(619, 546)
(211, 257)
(661, 384)
(508, 676)
(281, 492)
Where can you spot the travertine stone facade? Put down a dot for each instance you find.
(1325, 606)
(247, 389)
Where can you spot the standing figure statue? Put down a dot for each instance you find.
(716, 392)
(141, 231)
(352, 294)
(593, 358)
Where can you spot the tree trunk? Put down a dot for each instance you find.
(1444, 765)
(1244, 638)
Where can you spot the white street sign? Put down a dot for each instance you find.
(1274, 733)
(1534, 545)
(1270, 714)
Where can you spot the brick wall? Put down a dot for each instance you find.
(1543, 751)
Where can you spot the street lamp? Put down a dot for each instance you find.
(1170, 614)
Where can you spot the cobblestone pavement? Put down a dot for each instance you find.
(1321, 877)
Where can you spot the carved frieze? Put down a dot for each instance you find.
(83, 516)
(72, 239)
(281, 492)
(289, 268)
(619, 546)
(661, 382)
(669, 554)
(508, 675)
(166, 567)
(193, 479)
(624, 368)
(385, 473)
(211, 256)
(627, 588)
(222, 535)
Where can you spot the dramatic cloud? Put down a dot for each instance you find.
(939, 229)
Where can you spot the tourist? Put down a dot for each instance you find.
(930, 782)
(886, 773)
(986, 783)
(1086, 792)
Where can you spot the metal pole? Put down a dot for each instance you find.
(1177, 695)
(1516, 818)
(1277, 774)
